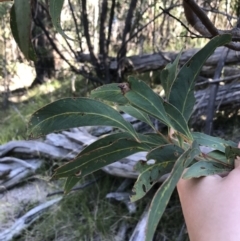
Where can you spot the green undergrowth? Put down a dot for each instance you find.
(13, 121)
(87, 215)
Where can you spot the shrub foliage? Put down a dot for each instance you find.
(181, 149)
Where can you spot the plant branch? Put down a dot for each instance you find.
(102, 37)
(110, 25)
(127, 29)
(200, 21)
(144, 26)
(213, 10)
(202, 17)
(72, 67)
(166, 11)
(76, 25)
(212, 81)
(238, 23)
(86, 31)
(76, 188)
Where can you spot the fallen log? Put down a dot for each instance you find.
(227, 99)
(26, 220)
(140, 229)
(157, 61)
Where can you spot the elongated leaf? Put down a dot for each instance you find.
(165, 157)
(75, 112)
(70, 183)
(94, 160)
(105, 141)
(55, 9)
(154, 139)
(20, 22)
(169, 74)
(150, 141)
(182, 90)
(142, 97)
(213, 142)
(164, 153)
(177, 121)
(164, 193)
(110, 92)
(149, 177)
(218, 156)
(100, 143)
(138, 114)
(205, 168)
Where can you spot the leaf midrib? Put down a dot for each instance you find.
(77, 113)
(163, 117)
(101, 156)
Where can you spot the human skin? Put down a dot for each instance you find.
(211, 206)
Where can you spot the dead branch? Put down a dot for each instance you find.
(200, 22)
(26, 220)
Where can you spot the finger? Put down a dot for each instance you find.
(237, 162)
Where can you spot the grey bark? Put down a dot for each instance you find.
(26, 220)
(157, 61)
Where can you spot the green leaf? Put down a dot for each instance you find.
(150, 140)
(165, 152)
(55, 9)
(136, 113)
(92, 161)
(231, 154)
(142, 97)
(105, 141)
(218, 156)
(101, 142)
(154, 139)
(20, 22)
(165, 157)
(168, 75)
(70, 183)
(213, 142)
(149, 177)
(205, 168)
(162, 196)
(75, 112)
(182, 90)
(177, 121)
(109, 92)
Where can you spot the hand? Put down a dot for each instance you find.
(211, 206)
